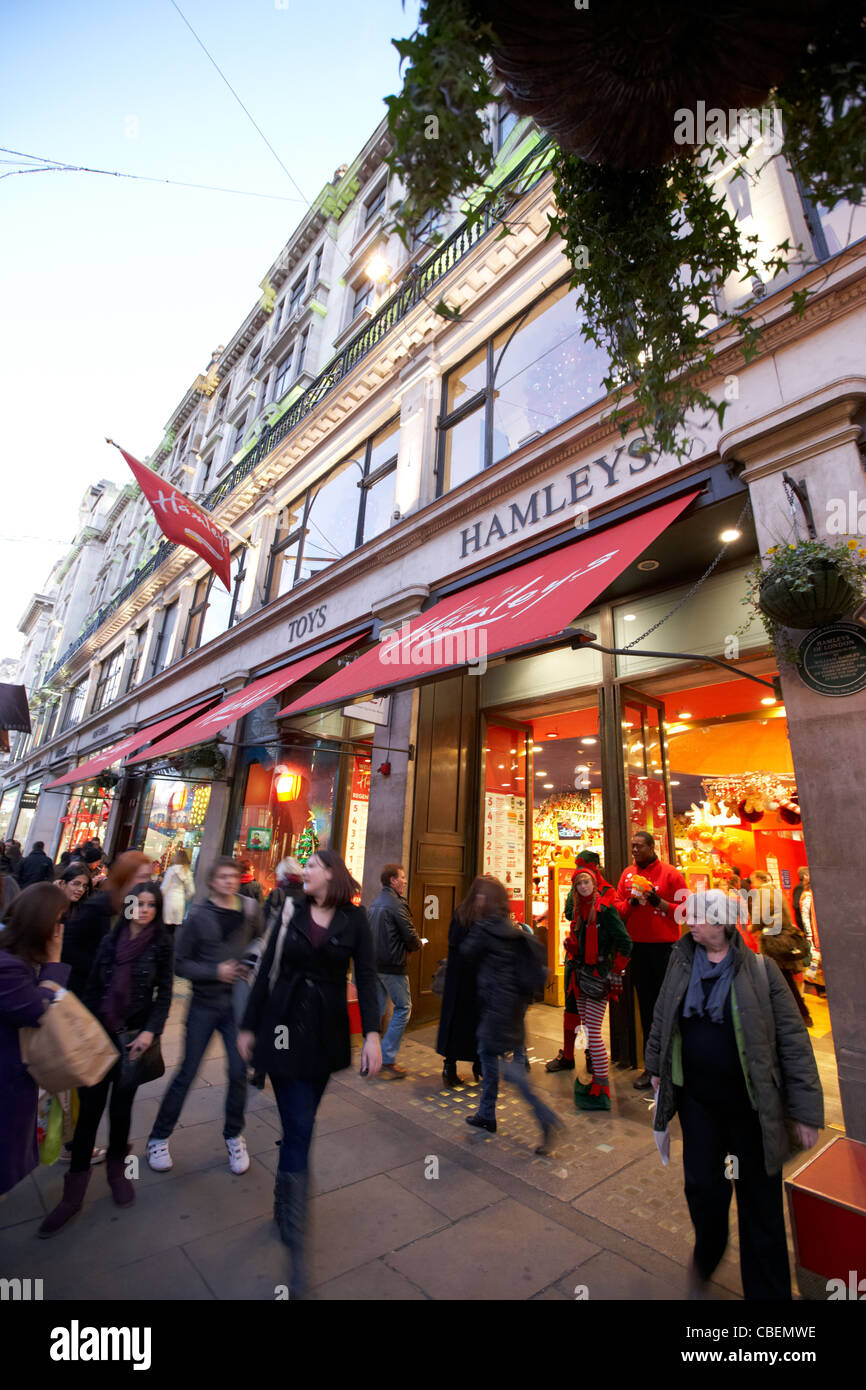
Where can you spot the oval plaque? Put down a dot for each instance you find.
(834, 659)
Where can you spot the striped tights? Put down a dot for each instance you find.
(592, 1017)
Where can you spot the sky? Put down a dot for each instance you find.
(114, 293)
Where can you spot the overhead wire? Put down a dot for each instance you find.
(56, 166)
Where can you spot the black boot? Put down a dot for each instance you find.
(291, 1203)
(74, 1188)
(449, 1074)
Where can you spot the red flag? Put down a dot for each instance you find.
(183, 521)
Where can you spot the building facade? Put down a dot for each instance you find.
(376, 459)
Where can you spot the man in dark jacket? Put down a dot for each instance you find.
(214, 938)
(35, 867)
(394, 937)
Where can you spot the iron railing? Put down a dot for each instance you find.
(415, 288)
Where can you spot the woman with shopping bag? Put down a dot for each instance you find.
(129, 991)
(30, 945)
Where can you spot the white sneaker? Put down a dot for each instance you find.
(158, 1155)
(239, 1159)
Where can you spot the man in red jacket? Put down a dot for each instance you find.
(649, 920)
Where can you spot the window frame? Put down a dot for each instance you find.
(140, 643)
(296, 293)
(375, 203)
(297, 534)
(283, 377)
(303, 342)
(110, 669)
(195, 617)
(368, 292)
(169, 608)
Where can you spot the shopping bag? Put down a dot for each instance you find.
(51, 1136)
(69, 1047)
(354, 1009)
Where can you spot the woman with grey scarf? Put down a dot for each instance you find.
(728, 1052)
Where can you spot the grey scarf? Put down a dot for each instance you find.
(698, 1004)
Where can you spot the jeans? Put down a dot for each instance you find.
(515, 1072)
(395, 988)
(297, 1102)
(202, 1021)
(91, 1103)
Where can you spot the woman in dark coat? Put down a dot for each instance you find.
(458, 1020)
(296, 1024)
(730, 1055)
(129, 990)
(30, 945)
(96, 916)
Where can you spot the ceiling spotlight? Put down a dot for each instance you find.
(589, 740)
(685, 714)
(768, 700)
(629, 617)
(536, 748)
(647, 564)
(542, 774)
(548, 784)
(554, 734)
(627, 724)
(732, 534)
(512, 750)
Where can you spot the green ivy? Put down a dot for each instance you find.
(795, 562)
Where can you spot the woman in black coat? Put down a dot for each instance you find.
(296, 1024)
(458, 1019)
(95, 916)
(129, 991)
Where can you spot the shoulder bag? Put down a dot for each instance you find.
(69, 1047)
(137, 1071)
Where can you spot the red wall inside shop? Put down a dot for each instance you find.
(790, 854)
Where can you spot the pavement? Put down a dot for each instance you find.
(407, 1202)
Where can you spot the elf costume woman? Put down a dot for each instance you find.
(597, 944)
(564, 1060)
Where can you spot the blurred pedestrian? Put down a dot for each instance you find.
(96, 915)
(13, 854)
(394, 938)
(459, 1016)
(210, 948)
(8, 890)
(178, 890)
(729, 1054)
(30, 944)
(35, 867)
(504, 957)
(250, 886)
(779, 936)
(296, 1027)
(129, 991)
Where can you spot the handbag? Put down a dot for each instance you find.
(69, 1047)
(437, 984)
(592, 986)
(137, 1071)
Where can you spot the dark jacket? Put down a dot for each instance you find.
(491, 947)
(88, 922)
(23, 997)
(394, 935)
(152, 975)
(458, 1020)
(779, 1065)
(35, 867)
(9, 890)
(309, 997)
(201, 947)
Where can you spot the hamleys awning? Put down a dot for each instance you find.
(241, 702)
(521, 609)
(85, 771)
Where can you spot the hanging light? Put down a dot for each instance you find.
(288, 786)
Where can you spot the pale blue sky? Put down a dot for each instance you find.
(114, 293)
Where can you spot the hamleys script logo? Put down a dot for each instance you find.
(178, 505)
(469, 616)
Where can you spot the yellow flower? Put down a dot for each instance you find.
(852, 545)
(791, 545)
(772, 550)
(862, 554)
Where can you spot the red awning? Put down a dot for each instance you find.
(524, 607)
(241, 702)
(128, 745)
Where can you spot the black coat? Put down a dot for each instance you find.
(309, 997)
(492, 946)
(458, 1020)
(88, 923)
(35, 867)
(152, 976)
(394, 935)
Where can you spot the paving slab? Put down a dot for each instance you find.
(375, 1282)
(167, 1276)
(504, 1252)
(23, 1203)
(453, 1191)
(608, 1275)
(374, 1147)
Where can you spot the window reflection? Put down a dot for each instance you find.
(332, 520)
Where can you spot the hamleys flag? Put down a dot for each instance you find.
(182, 520)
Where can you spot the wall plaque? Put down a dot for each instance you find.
(834, 659)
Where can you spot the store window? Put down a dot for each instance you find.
(7, 806)
(171, 818)
(536, 372)
(26, 811)
(86, 816)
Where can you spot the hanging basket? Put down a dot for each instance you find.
(606, 79)
(830, 596)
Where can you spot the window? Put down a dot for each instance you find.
(285, 549)
(196, 614)
(297, 293)
(506, 120)
(137, 657)
(379, 480)
(331, 526)
(363, 295)
(108, 681)
(253, 360)
(302, 351)
(317, 267)
(374, 204)
(281, 380)
(536, 372)
(217, 610)
(76, 705)
(162, 650)
(240, 431)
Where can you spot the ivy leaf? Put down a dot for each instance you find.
(446, 312)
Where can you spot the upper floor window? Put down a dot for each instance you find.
(137, 657)
(285, 550)
(240, 431)
(377, 488)
(253, 360)
(196, 614)
(297, 293)
(317, 266)
(533, 374)
(162, 646)
(108, 682)
(215, 609)
(363, 295)
(75, 709)
(281, 379)
(506, 120)
(374, 204)
(302, 351)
